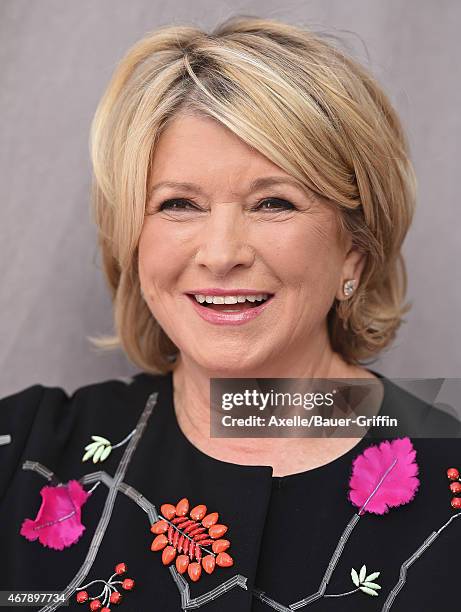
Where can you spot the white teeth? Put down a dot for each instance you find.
(230, 299)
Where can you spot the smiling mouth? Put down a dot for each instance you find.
(239, 307)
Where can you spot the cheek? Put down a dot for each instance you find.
(151, 249)
(307, 253)
(160, 255)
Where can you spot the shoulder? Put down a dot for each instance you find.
(419, 416)
(24, 406)
(43, 422)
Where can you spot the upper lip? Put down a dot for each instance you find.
(218, 291)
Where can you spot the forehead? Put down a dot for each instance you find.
(201, 149)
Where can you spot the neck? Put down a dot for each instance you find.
(191, 385)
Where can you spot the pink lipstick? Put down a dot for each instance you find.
(221, 317)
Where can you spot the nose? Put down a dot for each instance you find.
(223, 242)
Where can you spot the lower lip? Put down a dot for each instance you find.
(219, 317)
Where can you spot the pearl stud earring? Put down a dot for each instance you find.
(348, 287)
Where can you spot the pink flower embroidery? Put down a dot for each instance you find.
(57, 524)
(384, 476)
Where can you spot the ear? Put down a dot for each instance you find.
(352, 270)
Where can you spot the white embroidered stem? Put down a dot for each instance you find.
(343, 594)
(331, 566)
(445, 525)
(187, 603)
(124, 440)
(375, 490)
(58, 520)
(270, 602)
(108, 506)
(107, 592)
(406, 564)
(85, 586)
(94, 487)
(5, 439)
(39, 468)
(116, 484)
(334, 558)
(102, 594)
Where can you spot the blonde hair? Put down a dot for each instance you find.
(301, 102)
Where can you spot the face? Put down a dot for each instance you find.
(224, 232)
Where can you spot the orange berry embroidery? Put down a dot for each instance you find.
(192, 539)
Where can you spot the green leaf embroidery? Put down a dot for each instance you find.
(371, 585)
(106, 453)
(355, 577)
(97, 455)
(91, 445)
(365, 583)
(367, 590)
(101, 447)
(100, 439)
(88, 454)
(98, 451)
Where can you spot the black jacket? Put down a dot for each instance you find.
(283, 531)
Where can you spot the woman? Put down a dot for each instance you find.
(252, 192)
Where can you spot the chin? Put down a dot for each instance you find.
(225, 366)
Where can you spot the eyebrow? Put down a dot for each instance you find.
(266, 181)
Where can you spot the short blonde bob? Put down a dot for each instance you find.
(301, 102)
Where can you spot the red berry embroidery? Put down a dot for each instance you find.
(456, 503)
(115, 597)
(455, 487)
(82, 596)
(185, 537)
(110, 594)
(128, 584)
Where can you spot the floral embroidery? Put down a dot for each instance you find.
(101, 447)
(362, 582)
(383, 477)
(110, 593)
(190, 536)
(116, 485)
(58, 522)
(365, 583)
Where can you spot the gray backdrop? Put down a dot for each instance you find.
(56, 58)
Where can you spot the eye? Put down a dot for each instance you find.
(182, 204)
(168, 204)
(282, 204)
